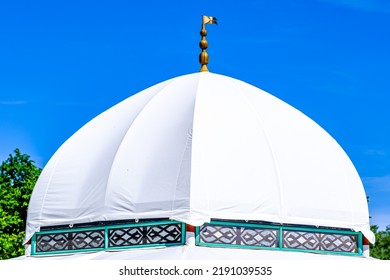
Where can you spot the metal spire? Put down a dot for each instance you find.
(203, 56)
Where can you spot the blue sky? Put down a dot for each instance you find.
(64, 62)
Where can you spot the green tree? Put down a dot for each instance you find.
(381, 248)
(18, 175)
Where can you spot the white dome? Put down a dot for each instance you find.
(197, 147)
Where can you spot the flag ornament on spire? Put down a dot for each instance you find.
(204, 57)
(209, 20)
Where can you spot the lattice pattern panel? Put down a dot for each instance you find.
(238, 235)
(332, 242)
(144, 235)
(69, 241)
(231, 234)
(105, 237)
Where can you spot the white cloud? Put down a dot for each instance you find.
(377, 184)
(16, 102)
(378, 190)
(382, 220)
(376, 152)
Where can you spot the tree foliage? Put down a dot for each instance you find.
(381, 248)
(18, 175)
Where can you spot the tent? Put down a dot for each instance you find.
(201, 159)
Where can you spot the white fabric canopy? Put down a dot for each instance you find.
(196, 147)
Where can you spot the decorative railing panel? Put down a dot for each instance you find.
(52, 242)
(144, 235)
(71, 240)
(267, 236)
(332, 242)
(239, 235)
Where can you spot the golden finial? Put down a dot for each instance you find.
(204, 57)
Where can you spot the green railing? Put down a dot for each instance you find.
(279, 237)
(108, 237)
(217, 233)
